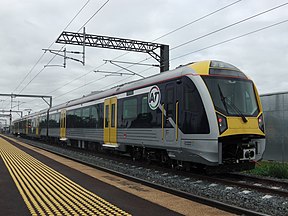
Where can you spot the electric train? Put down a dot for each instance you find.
(204, 114)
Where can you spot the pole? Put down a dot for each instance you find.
(84, 38)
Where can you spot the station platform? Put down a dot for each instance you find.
(33, 184)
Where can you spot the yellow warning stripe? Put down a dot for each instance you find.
(47, 192)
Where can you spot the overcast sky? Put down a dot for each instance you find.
(29, 26)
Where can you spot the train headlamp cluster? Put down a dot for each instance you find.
(261, 123)
(222, 123)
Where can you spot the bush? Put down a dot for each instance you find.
(272, 169)
(278, 170)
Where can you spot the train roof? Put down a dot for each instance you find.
(208, 67)
(167, 75)
(213, 67)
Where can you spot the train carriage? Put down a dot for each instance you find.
(204, 113)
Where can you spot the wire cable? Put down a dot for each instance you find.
(241, 21)
(93, 15)
(166, 34)
(50, 47)
(214, 45)
(196, 20)
(228, 26)
(231, 39)
(63, 47)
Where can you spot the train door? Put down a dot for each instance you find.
(37, 125)
(63, 125)
(110, 122)
(170, 121)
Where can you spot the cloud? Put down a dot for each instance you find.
(29, 26)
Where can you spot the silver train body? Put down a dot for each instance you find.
(173, 116)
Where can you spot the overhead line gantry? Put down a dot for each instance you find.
(83, 39)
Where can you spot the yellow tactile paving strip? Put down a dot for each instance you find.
(47, 192)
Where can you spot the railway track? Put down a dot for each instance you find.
(265, 185)
(168, 174)
(268, 186)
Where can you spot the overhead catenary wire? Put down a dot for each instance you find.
(40, 58)
(231, 39)
(198, 19)
(205, 48)
(62, 48)
(229, 26)
(208, 34)
(166, 34)
(200, 38)
(218, 30)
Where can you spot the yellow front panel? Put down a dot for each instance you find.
(237, 126)
(201, 68)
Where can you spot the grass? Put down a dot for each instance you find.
(271, 169)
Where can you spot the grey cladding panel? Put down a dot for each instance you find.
(275, 109)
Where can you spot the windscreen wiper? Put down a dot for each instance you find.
(232, 105)
(223, 99)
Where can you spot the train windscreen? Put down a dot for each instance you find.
(232, 96)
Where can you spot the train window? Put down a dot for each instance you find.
(100, 114)
(194, 119)
(113, 115)
(52, 122)
(144, 105)
(189, 90)
(57, 119)
(130, 108)
(169, 99)
(33, 125)
(169, 104)
(96, 116)
(86, 116)
(239, 96)
(70, 119)
(106, 116)
(93, 117)
(78, 118)
(43, 122)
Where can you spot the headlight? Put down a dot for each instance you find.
(222, 123)
(261, 123)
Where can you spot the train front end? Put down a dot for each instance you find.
(238, 110)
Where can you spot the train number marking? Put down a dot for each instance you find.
(154, 97)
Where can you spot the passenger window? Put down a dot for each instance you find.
(58, 118)
(86, 116)
(144, 105)
(130, 108)
(78, 118)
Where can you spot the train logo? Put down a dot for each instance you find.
(154, 97)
